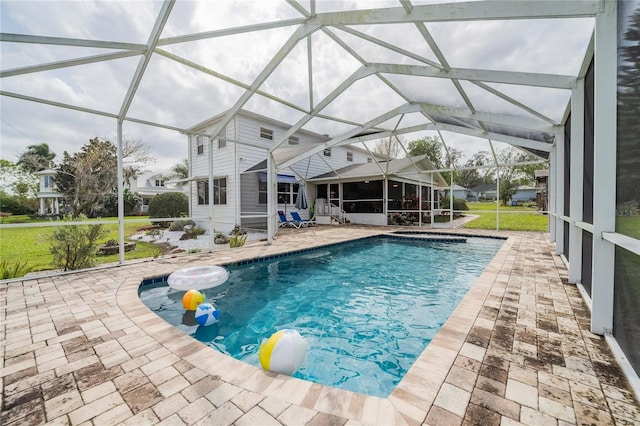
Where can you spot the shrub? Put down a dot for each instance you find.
(179, 225)
(170, 204)
(14, 204)
(13, 270)
(458, 204)
(74, 246)
(238, 238)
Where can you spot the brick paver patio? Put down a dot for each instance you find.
(82, 349)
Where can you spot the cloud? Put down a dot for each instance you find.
(176, 95)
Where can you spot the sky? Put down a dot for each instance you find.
(175, 95)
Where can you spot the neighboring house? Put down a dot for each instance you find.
(240, 179)
(149, 184)
(524, 193)
(460, 192)
(47, 195)
(484, 192)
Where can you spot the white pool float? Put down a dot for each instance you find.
(198, 278)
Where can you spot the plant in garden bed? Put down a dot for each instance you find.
(238, 238)
(74, 247)
(13, 270)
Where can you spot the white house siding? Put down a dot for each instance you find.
(232, 161)
(223, 167)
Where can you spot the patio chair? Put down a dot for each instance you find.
(303, 222)
(284, 222)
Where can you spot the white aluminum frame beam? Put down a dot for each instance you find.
(464, 11)
(555, 81)
(604, 165)
(577, 182)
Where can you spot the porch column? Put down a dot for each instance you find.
(42, 210)
(551, 192)
(604, 167)
(576, 181)
(559, 185)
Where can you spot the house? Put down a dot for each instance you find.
(341, 183)
(484, 192)
(524, 193)
(47, 195)
(460, 192)
(149, 184)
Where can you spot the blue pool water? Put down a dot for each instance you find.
(368, 308)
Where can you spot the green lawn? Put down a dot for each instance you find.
(516, 218)
(31, 245)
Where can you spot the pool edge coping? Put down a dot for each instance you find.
(409, 402)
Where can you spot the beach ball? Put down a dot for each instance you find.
(192, 299)
(283, 352)
(207, 314)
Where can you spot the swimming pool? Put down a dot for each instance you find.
(367, 308)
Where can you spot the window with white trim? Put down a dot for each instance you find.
(219, 192)
(327, 152)
(200, 144)
(266, 133)
(350, 156)
(294, 140)
(222, 138)
(159, 182)
(369, 160)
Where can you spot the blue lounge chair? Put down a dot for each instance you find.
(284, 222)
(302, 222)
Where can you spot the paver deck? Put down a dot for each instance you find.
(82, 349)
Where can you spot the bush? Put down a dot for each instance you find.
(458, 204)
(74, 247)
(238, 238)
(14, 204)
(179, 225)
(170, 204)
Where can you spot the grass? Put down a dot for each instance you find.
(31, 245)
(510, 218)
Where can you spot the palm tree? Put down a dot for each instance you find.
(179, 171)
(36, 158)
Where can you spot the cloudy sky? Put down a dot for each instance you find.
(175, 95)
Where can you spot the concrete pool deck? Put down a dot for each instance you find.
(81, 348)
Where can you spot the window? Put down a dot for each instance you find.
(362, 197)
(266, 133)
(294, 140)
(222, 138)
(159, 182)
(369, 160)
(327, 152)
(287, 193)
(219, 191)
(48, 181)
(350, 156)
(200, 144)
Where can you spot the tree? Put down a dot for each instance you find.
(472, 177)
(436, 152)
(513, 176)
(389, 147)
(89, 178)
(179, 171)
(17, 180)
(36, 158)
